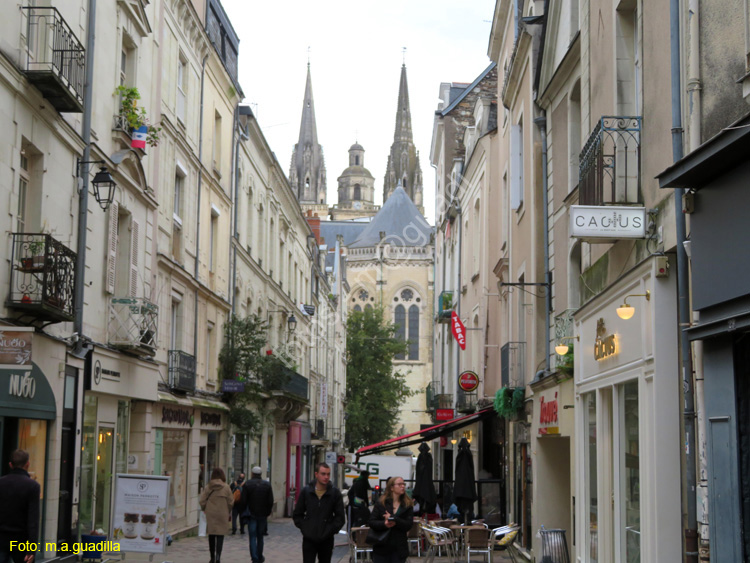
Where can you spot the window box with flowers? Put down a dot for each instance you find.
(131, 117)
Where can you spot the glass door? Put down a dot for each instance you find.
(630, 475)
(103, 495)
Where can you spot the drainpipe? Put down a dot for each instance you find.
(683, 297)
(83, 172)
(198, 212)
(541, 123)
(241, 136)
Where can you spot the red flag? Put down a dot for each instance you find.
(458, 330)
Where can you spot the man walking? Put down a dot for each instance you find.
(236, 487)
(319, 514)
(257, 495)
(19, 510)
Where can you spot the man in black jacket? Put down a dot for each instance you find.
(257, 496)
(319, 514)
(19, 510)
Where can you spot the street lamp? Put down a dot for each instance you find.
(291, 323)
(104, 185)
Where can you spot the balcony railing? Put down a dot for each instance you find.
(132, 325)
(181, 370)
(513, 364)
(610, 162)
(55, 58)
(42, 277)
(466, 402)
(446, 305)
(292, 383)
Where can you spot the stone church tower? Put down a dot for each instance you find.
(356, 189)
(307, 173)
(403, 162)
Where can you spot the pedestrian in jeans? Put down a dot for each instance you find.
(257, 496)
(319, 514)
(19, 509)
(236, 512)
(217, 500)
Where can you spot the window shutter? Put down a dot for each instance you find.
(134, 231)
(114, 211)
(516, 171)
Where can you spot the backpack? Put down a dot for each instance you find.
(237, 495)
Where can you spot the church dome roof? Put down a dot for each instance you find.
(356, 171)
(356, 147)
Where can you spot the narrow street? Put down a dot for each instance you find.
(283, 545)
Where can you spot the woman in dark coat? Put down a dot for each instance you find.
(394, 512)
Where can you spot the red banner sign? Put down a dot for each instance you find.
(548, 421)
(468, 381)
(458, 330)
(444, 414)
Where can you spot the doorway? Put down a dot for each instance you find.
(104, 455)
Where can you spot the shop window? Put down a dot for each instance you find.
(32, 438)
(174, 465)
(630, 482)
(591, 478)
(121, 439)
(88, 459)
(104, 481)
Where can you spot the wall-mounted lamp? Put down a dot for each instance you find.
(562, 349)
(104, 185)
(626, 311)
(453, 441)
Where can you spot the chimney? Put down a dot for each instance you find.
(314, 223)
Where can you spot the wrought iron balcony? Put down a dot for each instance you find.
(132, 325)
(181, 370)
(42, 277)
(291, 383)
(446, 305)
(466, 402)
(55, 58)
(610, 162)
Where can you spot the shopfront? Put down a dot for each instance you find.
(553, 432)
(190, 440)
(627, 423)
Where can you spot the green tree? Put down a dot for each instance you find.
(375, 392)
(242, 358)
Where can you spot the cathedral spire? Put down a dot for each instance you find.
(403, 161)
(308, 173)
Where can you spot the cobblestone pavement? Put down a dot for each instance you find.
(282, 545)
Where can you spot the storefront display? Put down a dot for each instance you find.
(174, 465)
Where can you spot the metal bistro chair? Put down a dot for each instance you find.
(502, 540)
(414, 536)
(436, 539)
(358, 545)
(478, 540)
(554, 546)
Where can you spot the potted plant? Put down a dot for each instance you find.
(135, 117)
(33, 261)
(94, 542)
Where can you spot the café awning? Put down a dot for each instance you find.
(426, 434)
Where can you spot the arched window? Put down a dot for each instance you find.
(414, 332)
(400, 322)
(358, 309)
(368, 306)
(357, 192)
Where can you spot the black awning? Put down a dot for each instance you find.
(426, 434)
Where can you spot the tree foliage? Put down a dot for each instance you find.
(375, 392)
(243, 358)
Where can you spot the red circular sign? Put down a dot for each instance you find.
(468, 381)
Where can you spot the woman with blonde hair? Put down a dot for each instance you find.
(216, 501)
(394, 512)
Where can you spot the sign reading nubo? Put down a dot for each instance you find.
(605, 344)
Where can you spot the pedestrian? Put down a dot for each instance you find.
(236, 487)
(257, 497)
(19, 509)
(358, 499)
(394, 512)
(319, 514)
(217, 500)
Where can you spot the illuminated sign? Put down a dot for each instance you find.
(605, 344)
(468, 381)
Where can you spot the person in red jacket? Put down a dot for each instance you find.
(19, 509)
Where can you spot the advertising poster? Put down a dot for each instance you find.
(140, 517)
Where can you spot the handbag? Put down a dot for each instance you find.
(202, 524)
(377, 538)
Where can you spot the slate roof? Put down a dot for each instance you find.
(401, 221)
(349, 229)
(455, 101)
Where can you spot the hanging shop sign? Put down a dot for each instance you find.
(232, 386)
(444, 414)
(15, 347)
(607, 223)
(140, 517)
(468, 381)
(605, 344)
(458, 330)
(548, 416)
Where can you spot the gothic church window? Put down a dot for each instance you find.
(407, 326)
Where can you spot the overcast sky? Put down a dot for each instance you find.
(356, 52)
